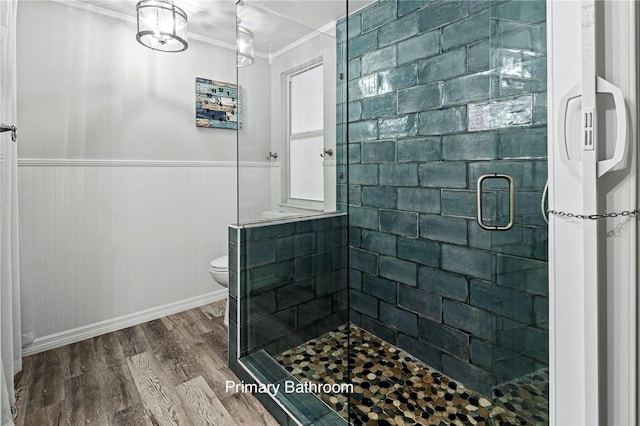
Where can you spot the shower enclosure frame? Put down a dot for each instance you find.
(239, 342)
(566, 350)
(610, 380)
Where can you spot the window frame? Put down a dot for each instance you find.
(307, 203)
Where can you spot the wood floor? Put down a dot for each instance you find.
(170, 371)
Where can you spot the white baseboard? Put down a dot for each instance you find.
(52, 341)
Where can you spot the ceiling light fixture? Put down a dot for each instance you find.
(244, 46)
(162, 26)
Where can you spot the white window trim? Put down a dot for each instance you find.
(317, 205)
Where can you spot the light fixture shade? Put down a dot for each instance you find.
(244, 46)
(162, 26)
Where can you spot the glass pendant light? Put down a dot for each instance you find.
(244, 46)
(162, 26)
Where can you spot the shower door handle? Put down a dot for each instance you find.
(588, 133)
(512, 198)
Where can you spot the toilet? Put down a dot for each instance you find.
(219, 270)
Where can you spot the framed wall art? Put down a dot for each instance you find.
(217, 104)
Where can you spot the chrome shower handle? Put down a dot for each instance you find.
(512, 198)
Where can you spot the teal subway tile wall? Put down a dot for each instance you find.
(437, 94)
(293, 281)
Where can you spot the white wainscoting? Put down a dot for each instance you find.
(107, 244)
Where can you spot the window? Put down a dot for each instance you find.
(306, 134)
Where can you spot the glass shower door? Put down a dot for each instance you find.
(289, 273)
(440, 96)
(519, 293)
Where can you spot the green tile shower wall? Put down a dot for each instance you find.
(438, 93)
(294, 281)
(234, 365)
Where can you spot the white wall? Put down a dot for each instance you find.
(102, 242)
(88, 89)
(254, 144)
(253, 137)
(131, 229)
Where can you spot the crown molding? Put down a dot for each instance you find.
(132, 20)
(328, 30)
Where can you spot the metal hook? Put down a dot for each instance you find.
(272, 155)
(327, 151)
(12, 129)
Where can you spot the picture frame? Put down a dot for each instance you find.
(217, 104)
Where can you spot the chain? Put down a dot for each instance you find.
(635, 212)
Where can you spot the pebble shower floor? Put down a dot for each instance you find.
(393, 388)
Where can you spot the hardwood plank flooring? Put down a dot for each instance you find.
(208, 408)
(135, 415)
(155, 392)
(170, 371)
